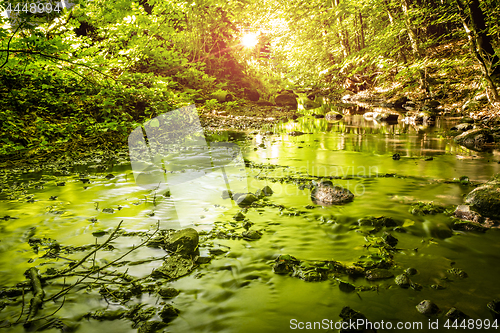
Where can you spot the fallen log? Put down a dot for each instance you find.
(38, 294)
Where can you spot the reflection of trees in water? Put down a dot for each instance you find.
(360, 134)
(354, 109)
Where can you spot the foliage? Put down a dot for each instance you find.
(99, 68)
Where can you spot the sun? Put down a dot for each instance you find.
(249, 40)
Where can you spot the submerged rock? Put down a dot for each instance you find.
(428, 308)
(174, 267)
(327, 194)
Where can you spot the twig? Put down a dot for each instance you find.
(110, 238)
(57, 58)
(22, 310)
(65, 290)
(8, 45)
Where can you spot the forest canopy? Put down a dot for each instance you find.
(90, 71)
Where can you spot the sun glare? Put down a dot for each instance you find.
(249, 40)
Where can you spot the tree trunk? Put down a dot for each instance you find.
(343, 33)
(480, 45)
(484, 46)
(417, 52)
(362, 31)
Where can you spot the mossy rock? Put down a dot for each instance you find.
(286, 99)
(183, 241)
(474, 138)
(485, 200)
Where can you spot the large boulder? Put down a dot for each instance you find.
(485, 200)
(286, 98)
(474, 138)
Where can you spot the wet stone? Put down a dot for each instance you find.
(174, 267)
(455, 314)
(203, 260)
(328, 194)
(411, 271)
(346, 287)
(239, 217)
(168, 292)
(168, 313)
(251, 235)
(378, 274)
(485, 200)
(267, 191)
(183, 241)
(108, 210)
(390, 239)
(402, 280)
(457, 272)
(246, 199)
(428, 308)
(416, 286)
(109, 176)
(494, 307)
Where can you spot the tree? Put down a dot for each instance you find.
(480, 44)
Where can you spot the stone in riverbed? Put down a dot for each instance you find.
(485, 200)
(378, 274)
(245, 199)
(168, 313)
(455, 314)
(428, 308)
(168, 292)
(403, 280)
(474, 138)
(174, 267)
(329, 195)
(183, 241)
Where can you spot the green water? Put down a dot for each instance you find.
(238, 291)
